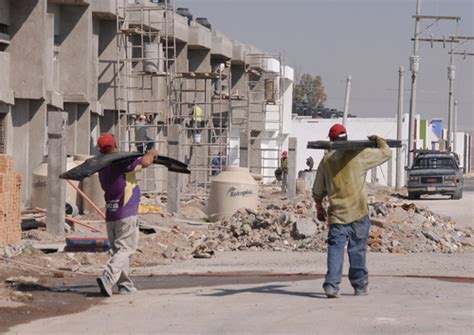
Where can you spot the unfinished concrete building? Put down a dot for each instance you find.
(105, 62)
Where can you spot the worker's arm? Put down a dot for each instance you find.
(374, 157)
(149, 157)
(320, 191)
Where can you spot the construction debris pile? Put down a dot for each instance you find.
(397, 227)
(278, 224)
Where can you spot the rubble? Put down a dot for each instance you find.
(397, 227)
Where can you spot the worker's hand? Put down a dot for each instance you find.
(321, 214)
(153, 152)
(373, 137)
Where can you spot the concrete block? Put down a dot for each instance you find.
(239, 51)
(105, 9)
(72, 2)
(288, 73)
(271, 65)
(200, 37)
(54, 99)
(221, 45)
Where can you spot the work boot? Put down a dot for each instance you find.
(124, 291)
(361, 291)
(105, 287)
(331, 293)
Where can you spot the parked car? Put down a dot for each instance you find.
(435, 172)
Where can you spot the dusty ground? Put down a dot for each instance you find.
(247, 292)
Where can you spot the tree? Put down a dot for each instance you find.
(310, 89)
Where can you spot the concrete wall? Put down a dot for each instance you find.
(78, 133)
(29, 139)
(6, 94)
(5, 12)
(75, 39)
(27, 48)
(107, 63)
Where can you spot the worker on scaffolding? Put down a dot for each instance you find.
(284, 170)
(143, 142)
(197, 122)
(217, 82)
(217, 163)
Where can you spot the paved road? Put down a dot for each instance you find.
(462, 211)
(399, 303)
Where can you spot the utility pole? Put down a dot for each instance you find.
(455, 124)
(399, 165)
(414, 66)
(452, 112)
(451, 76)
(346, 100)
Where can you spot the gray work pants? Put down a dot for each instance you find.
(284, 181)
(123, 239)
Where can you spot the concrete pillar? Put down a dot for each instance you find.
(244, 150)
(174, 179)
(390, 172)
(57, 127)
(292, 157)
(373, 175)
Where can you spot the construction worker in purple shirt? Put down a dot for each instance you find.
(341, 178)
(122, 196)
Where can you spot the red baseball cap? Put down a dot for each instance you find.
(284, 154)
(106, 143)
(337, 131)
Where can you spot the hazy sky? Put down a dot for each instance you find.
(368, 39)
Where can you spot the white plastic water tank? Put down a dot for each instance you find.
(232, 189)
(91, 187)
(154, 58)
(39, 194)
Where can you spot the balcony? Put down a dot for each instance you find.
(105, 9)
(221, 45)
(200, 37)
(238, 52)
(73, 2)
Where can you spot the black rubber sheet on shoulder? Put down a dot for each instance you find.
(349, 145)
(97, 163)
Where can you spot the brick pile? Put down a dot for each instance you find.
(10, 202)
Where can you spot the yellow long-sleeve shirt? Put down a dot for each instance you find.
(341, 176)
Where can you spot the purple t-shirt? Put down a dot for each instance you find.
(122, 193)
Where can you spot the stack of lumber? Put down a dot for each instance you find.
(10, 202)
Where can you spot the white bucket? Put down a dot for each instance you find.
(197, 138)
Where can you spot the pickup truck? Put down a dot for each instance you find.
(435, 172)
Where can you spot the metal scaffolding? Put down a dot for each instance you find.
(145, 74)
(148, 83)
(206, 133)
